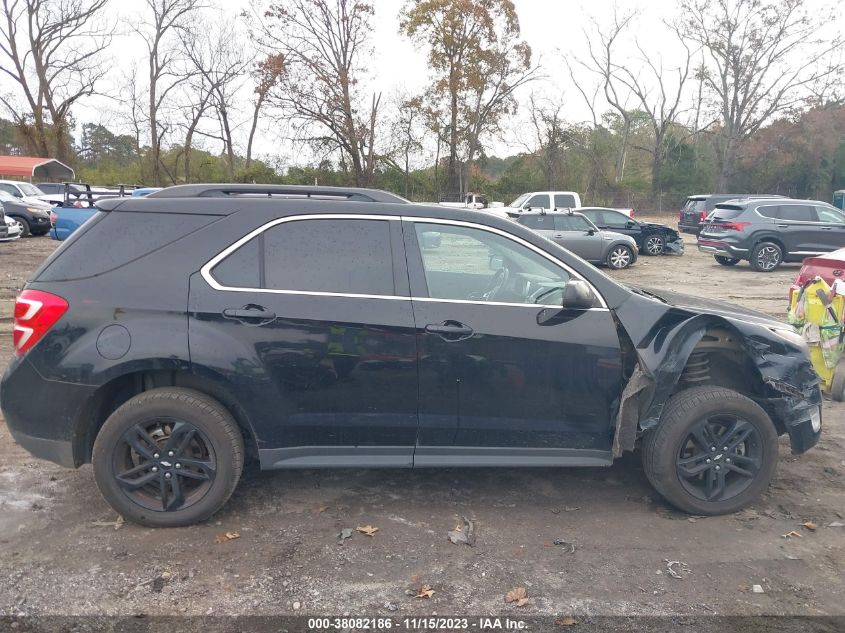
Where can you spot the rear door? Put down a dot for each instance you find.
(309, 320)
(573, 232)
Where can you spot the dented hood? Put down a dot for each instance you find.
(713, 306)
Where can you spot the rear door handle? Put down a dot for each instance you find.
(827, 228)
(247, 313)
(783, 226)
(450, 330)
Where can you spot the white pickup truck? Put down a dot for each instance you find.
(548, 200)
(468, 201)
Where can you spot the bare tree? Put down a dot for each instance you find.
(268, 72)
(160, 35)
(53, 50)
(550, 136)
(763, 57)
(218, 61)
(406, 137)
(324, 43)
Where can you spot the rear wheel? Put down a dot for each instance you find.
(168, 457)
(654, 245)
(620, 256)
(726, 261)
(766, 257)
(714, 451)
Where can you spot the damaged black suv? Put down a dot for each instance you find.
(173, 336)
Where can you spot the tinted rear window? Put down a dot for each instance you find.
(797, 213)
(726, 213)
(695, 205)
(117, 239)
(537, 222)
(564, 201)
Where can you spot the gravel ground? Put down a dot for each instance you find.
(63, 553)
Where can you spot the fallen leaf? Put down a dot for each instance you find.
(522, 602)
(810, 526)
(791, 534)
(369, 530)
(425, 592)
(566, 621)
(226, 536)
(516, 594)
(322, 509)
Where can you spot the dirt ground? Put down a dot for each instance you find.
(62, 553)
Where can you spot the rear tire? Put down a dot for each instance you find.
(766, 257)
(726, 261)
(619, 257)
(706, 479)
(168, 457)
(837, 386)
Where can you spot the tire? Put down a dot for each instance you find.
(619, 257)
(670, 447)
(654, 245)
(766, 257)
(837, 386)
(25, 230)
(207, 464)
(726, 261)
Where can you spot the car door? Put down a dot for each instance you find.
(832, 226)
(579, 235)
(309, 319)
(500, 384)
(610, 220)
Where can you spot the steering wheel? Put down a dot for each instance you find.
(497, 283)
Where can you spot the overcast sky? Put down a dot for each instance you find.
(553, 28)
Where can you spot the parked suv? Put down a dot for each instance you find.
(697, 208)
(306, 327)
(575, 232)
(767, 232)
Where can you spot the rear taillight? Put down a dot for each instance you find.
(633, 212)
(733, 226)
(35, 313)
(702, 215)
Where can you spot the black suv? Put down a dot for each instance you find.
(172, 336)
(768, 232)
(696, 209)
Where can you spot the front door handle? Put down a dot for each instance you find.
(450, 330)
(826, 228)
(783, 226)
(250, 313)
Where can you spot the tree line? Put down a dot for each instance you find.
(745, 94)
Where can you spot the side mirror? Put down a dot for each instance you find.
(17, 194)
(577, 295)
(630, 224)
(591, 231)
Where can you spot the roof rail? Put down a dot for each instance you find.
(294, 191)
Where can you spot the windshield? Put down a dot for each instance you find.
(518, 202)
(30, 190)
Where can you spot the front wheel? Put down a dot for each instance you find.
(25, 230)
(726, 261)
(620, 256)
(714, 451)
(168, 457)
(655, 245)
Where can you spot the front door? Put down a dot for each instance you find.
(832, 228)
(310, 323)
(498, 384)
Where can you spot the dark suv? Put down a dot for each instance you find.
(696, 209)
(768, 232)
(172, 336)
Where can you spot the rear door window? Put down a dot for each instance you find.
(797, 213)
(333, 256)
(770, 211)
(572, 223)
(564, 201)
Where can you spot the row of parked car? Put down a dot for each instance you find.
(33, 209)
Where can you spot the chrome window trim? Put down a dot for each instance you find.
(206, 269)
(798, 204)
